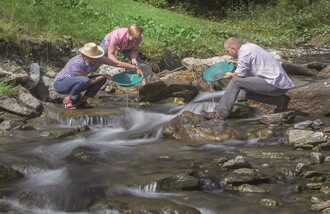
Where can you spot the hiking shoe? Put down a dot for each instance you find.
(212, 115)
(282, 104)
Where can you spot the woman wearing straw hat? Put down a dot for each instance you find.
(75, 77)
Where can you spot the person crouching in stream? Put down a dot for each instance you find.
(76, 76)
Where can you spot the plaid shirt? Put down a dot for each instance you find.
(77, 64)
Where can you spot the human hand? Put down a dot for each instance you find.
(140, 72)
(108, 76)
(135, 62)
(232, 61)
(229, 75)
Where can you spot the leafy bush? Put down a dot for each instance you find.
(8, 89)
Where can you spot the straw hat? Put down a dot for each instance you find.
(92, 50)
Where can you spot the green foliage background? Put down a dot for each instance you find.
(168, 27)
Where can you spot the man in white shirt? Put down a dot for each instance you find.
(258, 74)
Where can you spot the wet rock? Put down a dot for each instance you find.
(245, 175)
(90, 117)
(40, 123)
(7, 207)
(8, 174)
(247, 188)
(84, 128)
(268, 202)
(326, 211)
(317, 157)
(190, 126)
(311, 174)
(325, 189)
(302, 167)
(14, 125)
(317, 65)
(266, 133)
(278, 118)
(322, 146)
(300, 138)
(316, 200)
(220, 160)
(58, 133)
(161, 90)
(320, 206)
(133, 204)
(316, 124)
(86, 155)
(179, 183)
(314, 185)
(238, 162)
(326, 129)
(43, 197)
(327, 159)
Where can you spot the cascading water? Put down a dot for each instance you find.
(128, 156)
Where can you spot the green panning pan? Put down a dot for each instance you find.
(126, 79)
(218, 71)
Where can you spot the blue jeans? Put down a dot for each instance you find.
(77, 84)
(126, 53)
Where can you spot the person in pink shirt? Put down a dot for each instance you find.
(126, 41)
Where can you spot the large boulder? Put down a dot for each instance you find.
(198, 66)
(161, 90)
(190, 126)
(310, 96)
(16, 106)
(26, 97)
(11, 72)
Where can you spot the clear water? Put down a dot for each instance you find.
(135, 155)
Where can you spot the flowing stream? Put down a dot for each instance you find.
(134, 156)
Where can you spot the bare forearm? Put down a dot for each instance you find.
(112, 60)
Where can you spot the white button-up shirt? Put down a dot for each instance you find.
(252, 60)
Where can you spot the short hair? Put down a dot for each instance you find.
(233, 41)
(135, 30)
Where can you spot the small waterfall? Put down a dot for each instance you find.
(149, 187)
(96, 120)
(197, 107)
(208, 96)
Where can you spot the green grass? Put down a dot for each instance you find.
(89, 20)
(8, 89)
